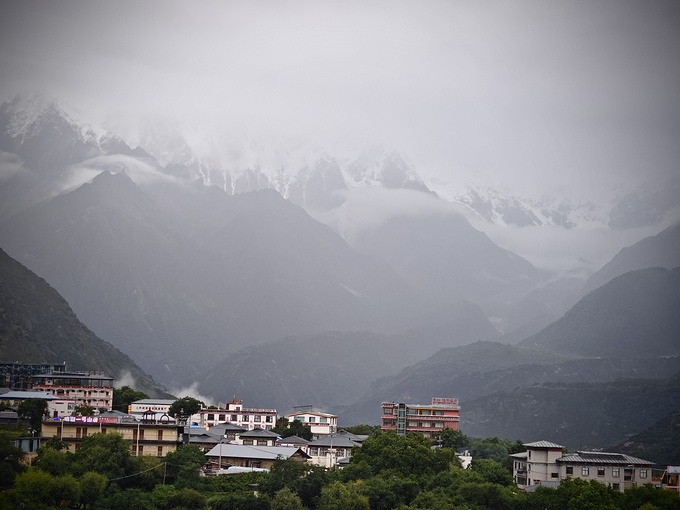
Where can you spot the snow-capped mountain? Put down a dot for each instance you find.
(49, 140)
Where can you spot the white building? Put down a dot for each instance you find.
(85, 388)
(157, 405)
(322, 424)
(236, 414)
(56, 407)
(544, 464)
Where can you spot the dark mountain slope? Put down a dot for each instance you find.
(338, 367)
(37, 325)
(659, 443)
(582, 415)
(635, 314)
(661, 250)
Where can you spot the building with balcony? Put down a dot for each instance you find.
(544, 463)
(236, 414)
(321, 424)
(426, 419)
(154, 438)
(84, 388)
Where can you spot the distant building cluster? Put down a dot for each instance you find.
(236, 438)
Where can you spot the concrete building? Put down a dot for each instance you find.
(157, 405)
(544, 463)
(441, 413)
(236, 414)
(85, 388)
(321, 424)
(330, 450)
(257, 457)
(56, 407)
(151, 438)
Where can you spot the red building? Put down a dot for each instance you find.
(427, 419)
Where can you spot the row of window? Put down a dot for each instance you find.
(616, 471)
(419, 412)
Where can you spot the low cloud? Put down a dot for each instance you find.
(192, 391)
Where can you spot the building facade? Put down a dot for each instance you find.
(148, 439)
(321, 424)
(441, 413)
(84, 388)
(157, 405)
(236, 414)
(544, 463)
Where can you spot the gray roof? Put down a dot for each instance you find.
(520, 455)
(337, 441)
(239, 451)
(257, 432)
(544, 444)
(602, 458)
(158, 401)
(25, 394)
(543, 483)
(293, 440)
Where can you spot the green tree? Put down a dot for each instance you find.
(34, 410)
(184, 407)
(635, 497)
(188, 498)
(11, 457)
(285, 499)
(577, 494)
(408, 454)
(107, 454)
(84, 411)
(183, 466)
(491, 471)
(343, 496)
(53, 461)
(92, 487)
(34, 486)
(449, 438)
(123, 397)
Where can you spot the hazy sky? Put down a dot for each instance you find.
(580, 94)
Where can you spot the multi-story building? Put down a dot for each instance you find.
(150, 438)
(56, 407)
(330, 450)
(426, 419)
(321, 424)
(17, 376)
(84, 388)
(236, 414)
(156, 405)
(544, 463)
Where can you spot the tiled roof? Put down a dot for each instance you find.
(602, 458)
(254, 452)
(543, 444)
(293, 440)
(259, 433)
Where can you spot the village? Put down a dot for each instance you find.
(237, 439)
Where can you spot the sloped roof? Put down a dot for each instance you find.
(337, 441)
(602, 458)
(157, 401)
(293, 440)
(25, 394)
(254, 452)
(544, 444)
(259, 433)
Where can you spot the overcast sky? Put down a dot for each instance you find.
(580, 94)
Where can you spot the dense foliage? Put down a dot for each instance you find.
(387, 472)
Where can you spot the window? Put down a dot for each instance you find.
(244, 417)
(268, 419)
(585, 471)
(223, 417)
(425, 424)
(258, 418)
(103, 430)
(314, 451)
(234, 417)
(160, 436)
(248, 441)
(159, 452)
(616, 487)
(78, 432)
(411, 411)
(323, 419)
(439, 425)
(312, 419)
(529, 453)
(616, 472)
(387, 410)
(412, 423)
(211, 416)
(554, 475)
(643, 473)
(262, 442)
(570, 470)
(600, 471)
